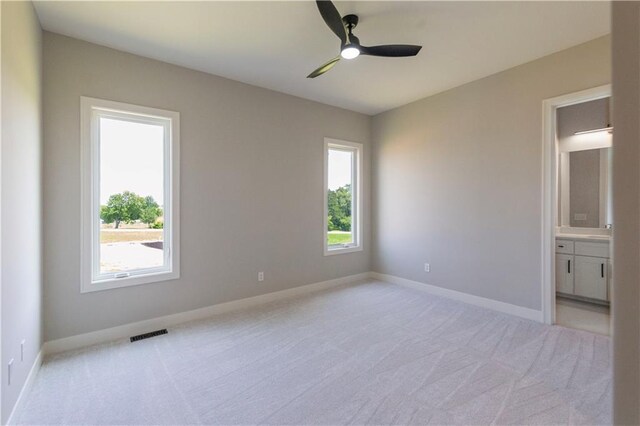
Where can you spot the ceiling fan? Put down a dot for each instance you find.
(350, 46)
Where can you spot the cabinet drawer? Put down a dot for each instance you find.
(592, 249)
(564, 246)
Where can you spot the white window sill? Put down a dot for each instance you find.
(112, 283)
(330, 251)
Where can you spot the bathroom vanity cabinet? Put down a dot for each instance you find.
(582, 269)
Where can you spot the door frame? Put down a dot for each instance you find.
(550, 189)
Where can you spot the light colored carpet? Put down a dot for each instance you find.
(371, 353)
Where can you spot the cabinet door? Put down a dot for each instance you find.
(591, 277)
(564, 273)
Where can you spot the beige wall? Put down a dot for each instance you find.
(579, 117)
(626, 212)
(21, 241)
(251, 186)
(457, 178)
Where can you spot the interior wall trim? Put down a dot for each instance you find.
(26, 388)
(124, 331)
(506, 308)
(127, 330)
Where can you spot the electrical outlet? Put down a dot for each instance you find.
(260, 276)
(22, 350)
(9, 372)
(427, 267)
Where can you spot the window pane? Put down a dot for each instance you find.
(340, 197)
(131, 195)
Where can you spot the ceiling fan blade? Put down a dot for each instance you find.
(324, 68)
(333, 19)
(391, 50)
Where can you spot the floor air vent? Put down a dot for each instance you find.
(147, 335)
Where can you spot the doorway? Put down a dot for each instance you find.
(576, 288)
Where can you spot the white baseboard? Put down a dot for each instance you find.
(123, 331)
(26, 388)
(507, 308)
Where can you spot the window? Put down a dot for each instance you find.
(342, 218)
(130, 204)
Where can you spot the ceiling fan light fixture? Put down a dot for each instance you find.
(350, 52)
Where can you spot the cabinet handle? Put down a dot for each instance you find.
(569, 266)
(561, 246)
(602, 270)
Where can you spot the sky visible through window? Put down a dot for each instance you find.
(131, 159)
(339, 168)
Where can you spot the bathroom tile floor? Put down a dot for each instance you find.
(583, 316)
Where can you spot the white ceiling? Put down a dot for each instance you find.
(276, 44)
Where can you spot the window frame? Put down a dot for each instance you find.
(91, 110)
(356, 201)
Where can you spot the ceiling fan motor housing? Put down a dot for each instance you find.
(353, 41)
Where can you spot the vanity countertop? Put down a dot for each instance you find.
(581, 237)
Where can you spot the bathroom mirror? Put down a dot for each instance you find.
(584, 188)
(584, 137)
